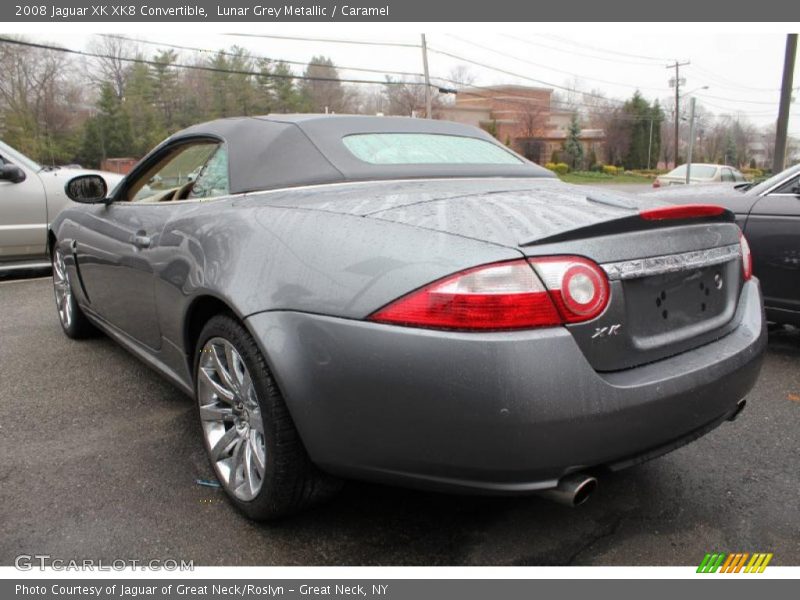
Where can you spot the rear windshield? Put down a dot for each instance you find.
(700, 171)
(426, 148)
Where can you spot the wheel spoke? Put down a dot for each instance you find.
(223, 373)
(220, 391)
(224, 444)
(237, 463)
(256, 424)
(215, 412)
(235, 367)
(257, 449)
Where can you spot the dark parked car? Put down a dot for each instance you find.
(409, 301)
(769, 215)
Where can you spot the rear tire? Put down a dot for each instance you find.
(73, 321)
(252, 443)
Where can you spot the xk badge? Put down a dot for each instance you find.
(608, 330)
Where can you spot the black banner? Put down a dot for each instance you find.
(398, 11)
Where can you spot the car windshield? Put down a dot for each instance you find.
(699, 171)
(773, 181)
(425, 148)
(18, 158)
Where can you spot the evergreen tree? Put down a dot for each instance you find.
(325, 93)
(108, 133)
(573, 149)
(147, 128)
(641, 116)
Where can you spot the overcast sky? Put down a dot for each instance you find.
(742, 70)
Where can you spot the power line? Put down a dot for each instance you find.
(729, 84)
(233, 54)
(518, 75)
(737, 100)
(607, 51)
(575, 53)
(155, 63)
(549, 68)
(324, 40)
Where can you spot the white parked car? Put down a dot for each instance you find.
(700, 173)
(30, 198)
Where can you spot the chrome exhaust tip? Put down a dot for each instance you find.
(739, 408)
(572, 490)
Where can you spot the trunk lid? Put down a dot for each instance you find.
(674, 284)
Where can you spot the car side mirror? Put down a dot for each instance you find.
(12, 173)
(87, 189)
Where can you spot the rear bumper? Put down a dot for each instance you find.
(493, 412)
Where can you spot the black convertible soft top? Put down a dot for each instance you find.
(278, 151)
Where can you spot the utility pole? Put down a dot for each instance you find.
(691, 141)
(427, 78)
(786, 99)
(677, 66)
(650, 143)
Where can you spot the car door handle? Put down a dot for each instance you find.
(140, 240)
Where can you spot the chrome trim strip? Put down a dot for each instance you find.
(670, 263)
(23, 265)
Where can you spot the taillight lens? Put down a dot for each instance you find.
(578, 287)
(505, 296)
(681, 211)
(747, 257)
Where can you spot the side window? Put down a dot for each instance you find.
(727, 175)
(737, 176)
(213, 179)
(790, 187)
(174, 175)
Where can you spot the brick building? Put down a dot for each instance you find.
(523, 118)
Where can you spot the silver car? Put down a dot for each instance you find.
(30, 198)
(409, 301)
(700, 173)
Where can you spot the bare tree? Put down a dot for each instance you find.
(39, 100)
(111, 67)
(408, 98)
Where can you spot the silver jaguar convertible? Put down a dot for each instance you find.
(408, 301)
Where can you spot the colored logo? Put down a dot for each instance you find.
(739, 562)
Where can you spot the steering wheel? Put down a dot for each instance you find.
(182, 192)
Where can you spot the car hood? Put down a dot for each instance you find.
(509, 212)
(60, 177)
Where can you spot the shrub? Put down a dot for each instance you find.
(560, 168)
(752, 172)
(611, 170)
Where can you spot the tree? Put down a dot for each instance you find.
(286, 96)
(642, 146)
(41, 102)
(573, 149)
(408, 98)
(111, 65)
(108, 133)
(147, 127)
(325, 94)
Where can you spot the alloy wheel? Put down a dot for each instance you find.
(62, 289)
(231, 419)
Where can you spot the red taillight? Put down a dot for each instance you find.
(579, 287)
(682, 211)
(747, 257)
(504, 296)
(656, 184)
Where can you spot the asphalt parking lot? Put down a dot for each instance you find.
(100, 457)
